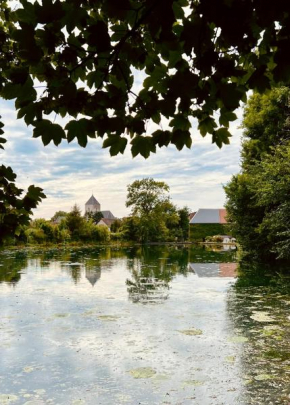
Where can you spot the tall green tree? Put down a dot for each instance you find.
(146, 195)
(155, 218)
(75, 222)
(258, 201)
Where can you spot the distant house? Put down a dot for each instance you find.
(103, 222)
(92, 206)
(208, 222)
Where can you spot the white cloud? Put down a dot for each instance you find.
(69, 174)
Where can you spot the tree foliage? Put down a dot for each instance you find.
(95, 216)
(146, 195)
(15, 209)
(258, 201)
(80, 59)
(154, 217)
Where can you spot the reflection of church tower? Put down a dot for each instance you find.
(92, 205)
(93, 276)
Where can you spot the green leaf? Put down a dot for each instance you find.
(10, 91)
(226, 116)
(162, 138)
(80, 129)
(230, 95)
(117, 144)
(181, 138)
(207, 125)
(221, 136)
(142, 145)
(180, 122)
(48, 132)
(156, 117)
(178, 10)
(95, 79)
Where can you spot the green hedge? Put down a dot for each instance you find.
(198, 232)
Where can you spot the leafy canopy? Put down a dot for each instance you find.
(146, 195)
(15, 209)
(258, 201)
(80, 59)
(154, 216)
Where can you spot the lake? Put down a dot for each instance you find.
(142, 325)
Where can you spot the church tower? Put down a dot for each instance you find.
(92, 205)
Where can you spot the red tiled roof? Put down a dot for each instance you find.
(223, 216)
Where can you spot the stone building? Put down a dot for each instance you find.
(92, 206)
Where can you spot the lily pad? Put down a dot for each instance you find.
(260, 316)
(195, 383)
(28, 369)
(109, 318)
(230, 359)
(191, 332)
(262, 377)
(142, 372)
(6, 399)
(60, 315)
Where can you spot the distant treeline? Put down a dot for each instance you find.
(154, 218)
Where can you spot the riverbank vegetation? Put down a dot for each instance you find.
(153, 218)
(258, 198)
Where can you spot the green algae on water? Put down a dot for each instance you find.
(191, 332)
(6, 399)
(108, 318)
(261, 316)
(195, 383)
(142, 372)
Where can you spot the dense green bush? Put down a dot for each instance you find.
(199, 232)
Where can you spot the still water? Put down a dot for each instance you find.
(156, 325)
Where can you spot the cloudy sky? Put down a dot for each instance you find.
(69, 174)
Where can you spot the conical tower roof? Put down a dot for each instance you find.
(92, 201)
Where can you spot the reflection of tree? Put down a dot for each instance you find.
(147, 289)
(258, 308)
(152, 268)
(211, 254)
(10, 271)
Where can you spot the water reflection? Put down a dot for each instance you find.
(213, 269)
(11, 265)
(152, 270)
(142, 325)
(93, 275)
